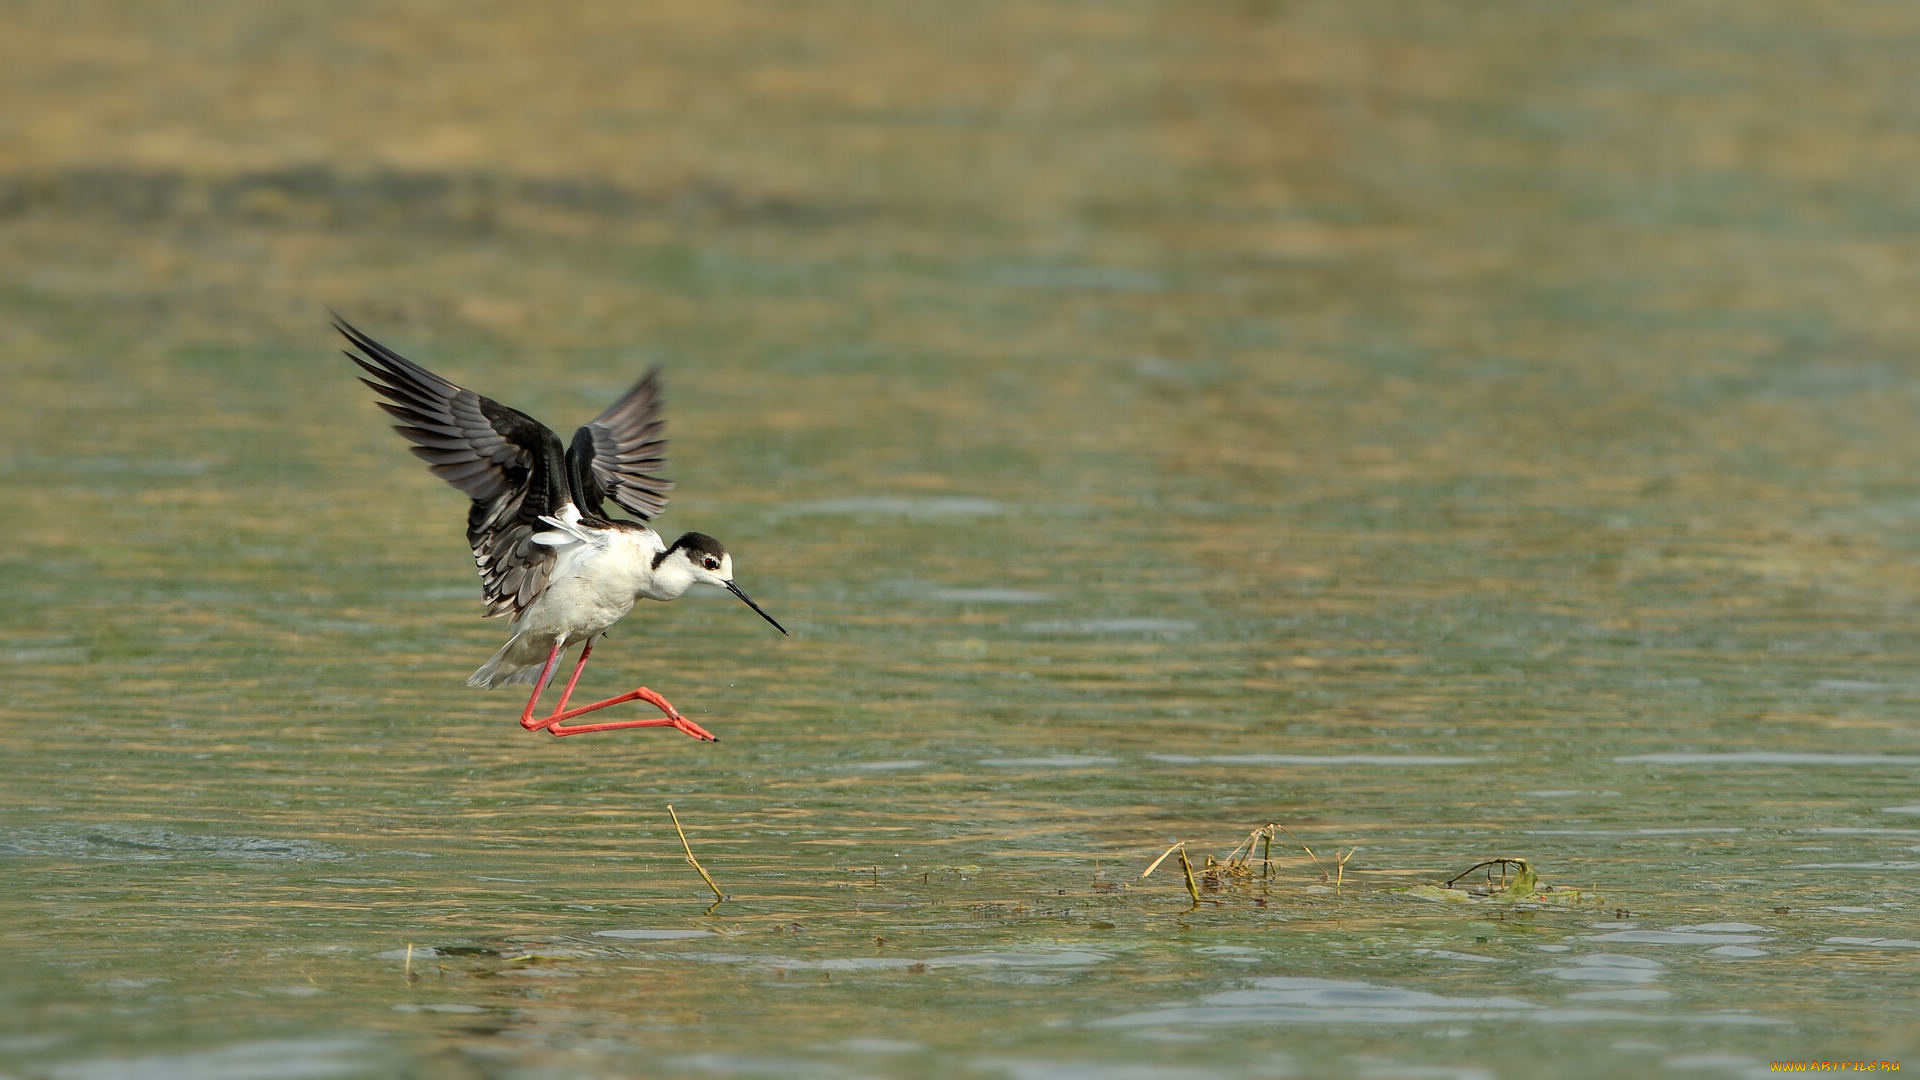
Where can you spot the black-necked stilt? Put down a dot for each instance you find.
(547, 553)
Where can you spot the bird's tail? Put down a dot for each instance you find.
(502, 670)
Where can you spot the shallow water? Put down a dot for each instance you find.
(1450, 433)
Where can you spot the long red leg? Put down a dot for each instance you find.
(554, 723)
(579, 666)
(539, 686)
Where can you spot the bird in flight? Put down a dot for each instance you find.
(549, 556)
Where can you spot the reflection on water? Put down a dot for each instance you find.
(1335, 1002)
(1771, 757)
(298, 1059)
(1450, 432)
(1389, 760)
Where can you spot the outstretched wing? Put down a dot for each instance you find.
(507, 462)
(616, 454)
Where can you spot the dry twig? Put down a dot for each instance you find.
(695, 863)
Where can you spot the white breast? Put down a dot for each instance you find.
(597, 576)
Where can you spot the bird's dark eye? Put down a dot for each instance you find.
(711, 563)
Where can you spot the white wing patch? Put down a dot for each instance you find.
(566, 528)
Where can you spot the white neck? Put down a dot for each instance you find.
(670, 580)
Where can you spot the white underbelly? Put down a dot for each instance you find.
(593, 586)
(574, 608)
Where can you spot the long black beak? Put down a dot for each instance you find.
(741, 593)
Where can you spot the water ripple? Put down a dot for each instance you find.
(1768, 757)
(1313, 759)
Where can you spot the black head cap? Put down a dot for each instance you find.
(699, 543)
(698, 547)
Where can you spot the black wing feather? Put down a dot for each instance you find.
(507, 462)
(616, 455)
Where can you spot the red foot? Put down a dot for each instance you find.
(672, 718)
(554, 723)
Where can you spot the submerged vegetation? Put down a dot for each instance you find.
(1518, 883)
(1234, 873)
(1234, 876)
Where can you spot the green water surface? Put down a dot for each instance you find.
(1449, 431)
